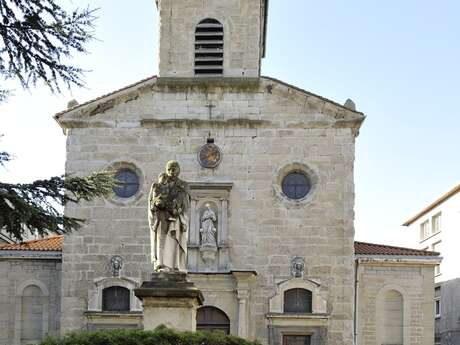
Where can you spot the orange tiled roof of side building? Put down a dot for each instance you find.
(363, 248)
(53, 243)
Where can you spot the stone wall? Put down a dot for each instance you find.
(264, 129)
(242, 35)
(18, 276)
(410, 283)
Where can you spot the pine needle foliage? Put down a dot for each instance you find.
(4, 157)
(36, 208)
(37, 40)
(160, 336)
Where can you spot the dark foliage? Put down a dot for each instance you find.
(160, 336)
(35, 207)
(36, 39)
(4, 157)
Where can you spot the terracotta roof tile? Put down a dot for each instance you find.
(53, 243)
(363, 248)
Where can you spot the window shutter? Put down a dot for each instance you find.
(297, 301)
(209, 48)
(115, 298)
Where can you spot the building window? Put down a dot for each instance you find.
(211, 319)
(128, 183)
(209, 48)
(296, 340)
(437, 307)
(297, 301)
(436, 247)
(424, 230)
(436, 223)
(437, 270)
(296, 185)
(115, 298)
(437, 339)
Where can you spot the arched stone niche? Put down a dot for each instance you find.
(209, 198)
(387, 292)
(95, 294)
(319, 303)
(43, 296)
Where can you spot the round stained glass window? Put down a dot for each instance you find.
(128, 183)
(296, 185)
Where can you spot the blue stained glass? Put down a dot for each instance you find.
(296, 185)
(128, 183)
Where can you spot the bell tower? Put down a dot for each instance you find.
(211, 38)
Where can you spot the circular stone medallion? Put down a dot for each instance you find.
(209, 156)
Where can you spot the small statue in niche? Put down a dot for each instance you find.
(208, 230)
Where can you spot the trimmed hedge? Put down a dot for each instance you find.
(160, 336)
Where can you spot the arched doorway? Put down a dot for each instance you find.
(212, 319)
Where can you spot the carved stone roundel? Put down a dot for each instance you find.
(209, 156)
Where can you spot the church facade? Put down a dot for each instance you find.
(271, 235)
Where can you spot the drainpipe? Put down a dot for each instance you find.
(355, 320)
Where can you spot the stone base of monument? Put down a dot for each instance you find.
(170, 300)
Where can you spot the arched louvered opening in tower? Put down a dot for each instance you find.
(209, 48)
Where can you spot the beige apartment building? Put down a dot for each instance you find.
(435, 228)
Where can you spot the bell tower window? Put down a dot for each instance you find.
(209, 48)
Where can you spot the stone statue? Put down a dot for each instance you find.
(168, 207)
(207, 230)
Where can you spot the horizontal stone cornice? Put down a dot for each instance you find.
(31, 254)
(394, 260)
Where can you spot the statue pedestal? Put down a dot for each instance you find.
(170, 300)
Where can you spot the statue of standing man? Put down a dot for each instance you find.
(168, 209)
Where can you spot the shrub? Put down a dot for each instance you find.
(160, 336)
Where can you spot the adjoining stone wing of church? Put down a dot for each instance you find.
(394, 288)
(270, 167)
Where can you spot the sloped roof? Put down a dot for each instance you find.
(434, 204)
(111, 93)
(152, 80)
(53, 243)
(363, 248)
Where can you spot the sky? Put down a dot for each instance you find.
(397, 60)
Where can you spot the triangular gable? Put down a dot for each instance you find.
(282, 95)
